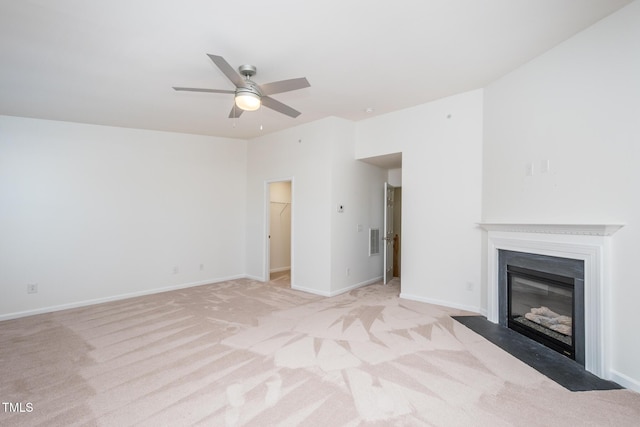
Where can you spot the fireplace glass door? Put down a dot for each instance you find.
(541, 306)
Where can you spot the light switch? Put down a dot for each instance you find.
(545, 166)
(530, 169)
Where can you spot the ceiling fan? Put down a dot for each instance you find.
(249, 96)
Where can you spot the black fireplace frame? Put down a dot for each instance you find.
(573, 269)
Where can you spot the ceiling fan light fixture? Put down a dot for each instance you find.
(247, 94)
(247, 100)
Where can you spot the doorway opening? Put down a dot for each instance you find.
(279, 221)
(392, 233)
(392, 221)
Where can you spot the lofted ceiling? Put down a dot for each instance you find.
(115, 62)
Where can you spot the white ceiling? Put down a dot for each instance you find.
(114, 62)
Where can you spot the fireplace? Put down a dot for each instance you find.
(542, 297)
(586, 244)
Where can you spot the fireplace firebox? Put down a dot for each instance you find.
(542, 297)
(541, 306)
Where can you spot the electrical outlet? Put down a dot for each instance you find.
(470, 286)
(32, 288)
(348, 271)
(176, 270)
(201, 267)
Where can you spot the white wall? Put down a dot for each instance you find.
(359, 187)
(577, 106)
(394, 177)
(303, 155)
(318, 158)
(441, 145)
(280, 226)
(92, 213)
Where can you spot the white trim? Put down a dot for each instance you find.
(441, 303)
(311, 291)
(577, 229)
(339, 291)
(279, 269)
(593, 250)
(85, 303)
(625, 381)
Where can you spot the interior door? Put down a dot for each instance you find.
(388, 233)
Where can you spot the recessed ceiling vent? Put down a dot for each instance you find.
(374, 241)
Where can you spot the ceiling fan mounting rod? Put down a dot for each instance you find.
(247, 70)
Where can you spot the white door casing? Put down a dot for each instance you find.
(388, 233)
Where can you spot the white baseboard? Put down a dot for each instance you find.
(84, 303)
(339, 291)
(625, 381)
(356, 286)
(279, 269)
(311, 291)
(441, 302)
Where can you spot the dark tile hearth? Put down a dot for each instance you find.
(557, 367)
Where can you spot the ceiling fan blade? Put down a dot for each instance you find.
(235, 112)
(284, 86)
(228, 71)
(279, 107)
(195, 89)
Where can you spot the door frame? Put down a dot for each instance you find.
(267, 227)
(388, 233)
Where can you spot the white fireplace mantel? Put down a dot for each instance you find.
(578, 229)
(587, 242)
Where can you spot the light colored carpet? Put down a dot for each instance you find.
(249, 353)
